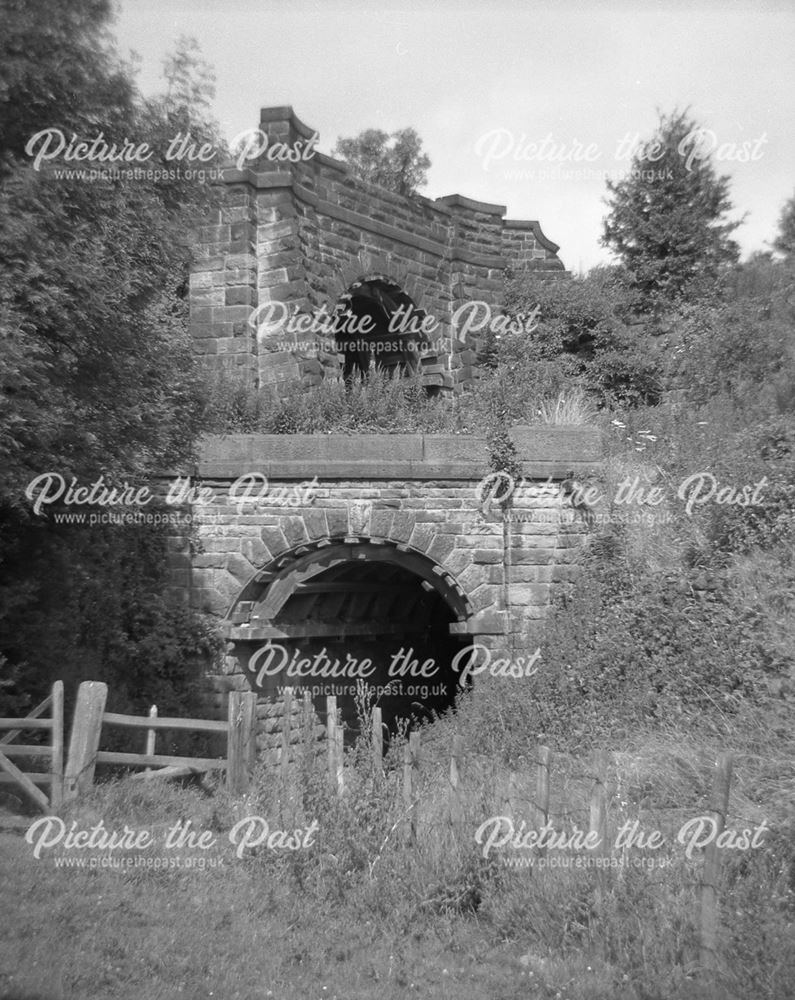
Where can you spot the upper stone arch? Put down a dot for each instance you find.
(301, 231)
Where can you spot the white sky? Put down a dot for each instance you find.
(580, 72)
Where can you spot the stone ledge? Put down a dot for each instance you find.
(544, 451)
(534, 227)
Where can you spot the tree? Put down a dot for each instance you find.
(582, 335)
(98, 374)
(58, 68)
(785, 240)
(97, 371)
(668, 218)
(394, 161)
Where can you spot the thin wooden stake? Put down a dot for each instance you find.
(335, 745)
(408, 795)
(84, 741)
(598, 810)
(56, 741)
(454, 813)
(455, 758)
(308, 744)
(709, 876)
(542, 785)
(377, 736)
(307, 712)
(287, 720)
(339, 757)
(241, 753)
(598, 822)
(411, 758)
(331, 737)
(151, 738)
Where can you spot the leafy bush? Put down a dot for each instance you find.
(97, 610)
(582, 329)
(741, 347)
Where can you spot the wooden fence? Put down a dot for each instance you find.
(90, 717)
(240, 730)
(598, 807)
(67, 782)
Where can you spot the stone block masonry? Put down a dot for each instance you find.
(321, 542)
(380, 548)
(307, 233)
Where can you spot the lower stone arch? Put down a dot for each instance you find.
(324, 615)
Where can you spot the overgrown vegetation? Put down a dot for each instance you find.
(98, 379)
(677, 640)
(361, 908)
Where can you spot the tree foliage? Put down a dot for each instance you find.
(582, 334)
(57, 66)
(785, 239)
(668, 220)
(97, 373)
(396, 162)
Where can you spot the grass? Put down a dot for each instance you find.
(572, 407)
(363, 913)
(239, 933)
(382, 405)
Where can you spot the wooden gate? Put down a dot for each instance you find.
(29, 781)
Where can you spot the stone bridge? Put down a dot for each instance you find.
(311, 237)
(378, 549)
(370, 557)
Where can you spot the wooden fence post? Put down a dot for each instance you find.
(84, 740)
(335, 745)
(287, 720)
(411, 757)
(241, 747)
(542, 785)
(709, 876)
(598, 811)
(339, 753)
(455, 763)
(407, 790)
(331, 737)
(307, 720)
(377, 736)
(598, 821)
(56, 742)
(151, 737)
(454, 813)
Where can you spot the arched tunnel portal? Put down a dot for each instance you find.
(347, 614)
